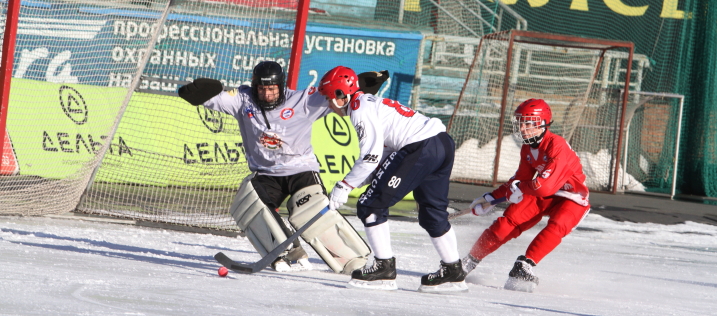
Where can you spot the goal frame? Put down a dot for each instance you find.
(6, 67)
(676, 155)
(556, 40)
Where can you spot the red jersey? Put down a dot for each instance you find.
(551, 169)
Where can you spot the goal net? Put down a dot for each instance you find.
(88, 72)
(580, 78)
(653, 128)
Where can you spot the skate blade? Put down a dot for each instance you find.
(384, 285)
(449, 287)
(514, 284)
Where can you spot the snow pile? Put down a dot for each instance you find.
(476, 163)
(597, 170)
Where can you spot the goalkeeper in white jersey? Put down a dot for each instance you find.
(275, 124)
(400, 151)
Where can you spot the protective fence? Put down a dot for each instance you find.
(452, 30)
(698, 167)
(674, 53)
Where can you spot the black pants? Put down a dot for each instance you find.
(423, 167)
(273, 190)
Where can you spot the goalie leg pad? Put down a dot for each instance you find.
(332, 237)
(256, 219)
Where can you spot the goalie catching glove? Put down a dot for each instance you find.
(371, 81)
(199, 91)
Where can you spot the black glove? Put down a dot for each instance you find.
(200, 90)
(371, 82)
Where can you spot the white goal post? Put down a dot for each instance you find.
(652, 143)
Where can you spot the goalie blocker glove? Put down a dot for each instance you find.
(200, 90)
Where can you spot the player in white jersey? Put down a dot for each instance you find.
(401, 151)
(276, 124)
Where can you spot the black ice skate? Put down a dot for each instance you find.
(449, 278)
(380, 276)
(521, 278)
(469, 263)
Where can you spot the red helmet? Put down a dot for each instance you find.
(339, 83)
(535, 112)
(537, 109)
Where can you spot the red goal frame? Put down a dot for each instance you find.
(557, 40)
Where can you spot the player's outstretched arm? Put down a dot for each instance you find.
(200, 90)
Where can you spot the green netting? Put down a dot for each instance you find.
(676, 38)
(700, 167)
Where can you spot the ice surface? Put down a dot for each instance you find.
(52, 266)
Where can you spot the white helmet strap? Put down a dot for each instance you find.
(343, 109)
(336, 105)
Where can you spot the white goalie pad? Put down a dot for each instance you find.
(255, 219)
(332, 236)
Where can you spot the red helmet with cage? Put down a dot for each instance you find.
(339, 83)
(530, 120)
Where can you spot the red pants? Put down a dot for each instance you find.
(564, 216)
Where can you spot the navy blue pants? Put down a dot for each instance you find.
(423, 167)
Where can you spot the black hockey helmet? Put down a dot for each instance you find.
(268, 73)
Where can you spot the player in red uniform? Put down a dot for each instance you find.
(549, 181)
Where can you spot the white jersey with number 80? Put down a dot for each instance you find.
(380, 123)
